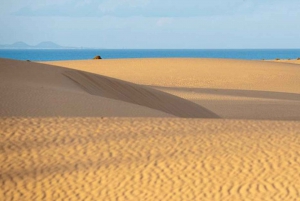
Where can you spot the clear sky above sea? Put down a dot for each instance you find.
(168, 24)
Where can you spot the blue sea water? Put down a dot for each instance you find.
(78, 54)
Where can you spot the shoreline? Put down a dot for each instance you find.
(52, 55)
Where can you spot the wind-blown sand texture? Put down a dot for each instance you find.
(111, 130)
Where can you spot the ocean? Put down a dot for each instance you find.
(78, 54)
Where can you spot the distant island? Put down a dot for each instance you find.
(42, 45)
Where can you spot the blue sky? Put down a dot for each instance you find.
(166, 24)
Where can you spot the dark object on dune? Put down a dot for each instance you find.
(97, 57)
(298, 58)
(277, 59)
(28, 60)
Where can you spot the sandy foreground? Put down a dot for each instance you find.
(150, 129)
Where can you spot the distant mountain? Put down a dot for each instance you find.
(42, 45)
(48, 45)
(20, 45)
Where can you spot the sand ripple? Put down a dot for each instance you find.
(148, 159)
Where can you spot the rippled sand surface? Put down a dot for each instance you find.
(149, 159)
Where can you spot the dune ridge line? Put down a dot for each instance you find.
(137, 94)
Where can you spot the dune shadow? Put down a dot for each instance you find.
(237, 93)
(137, 94)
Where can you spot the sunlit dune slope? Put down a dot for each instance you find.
(203, 73)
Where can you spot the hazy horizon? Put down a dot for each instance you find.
(151, 24)
(75, 47)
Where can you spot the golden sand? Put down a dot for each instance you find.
(74, 131)
(149, 159)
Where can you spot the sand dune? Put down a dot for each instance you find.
(35, 90)
(62, 136)
(58, 93)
